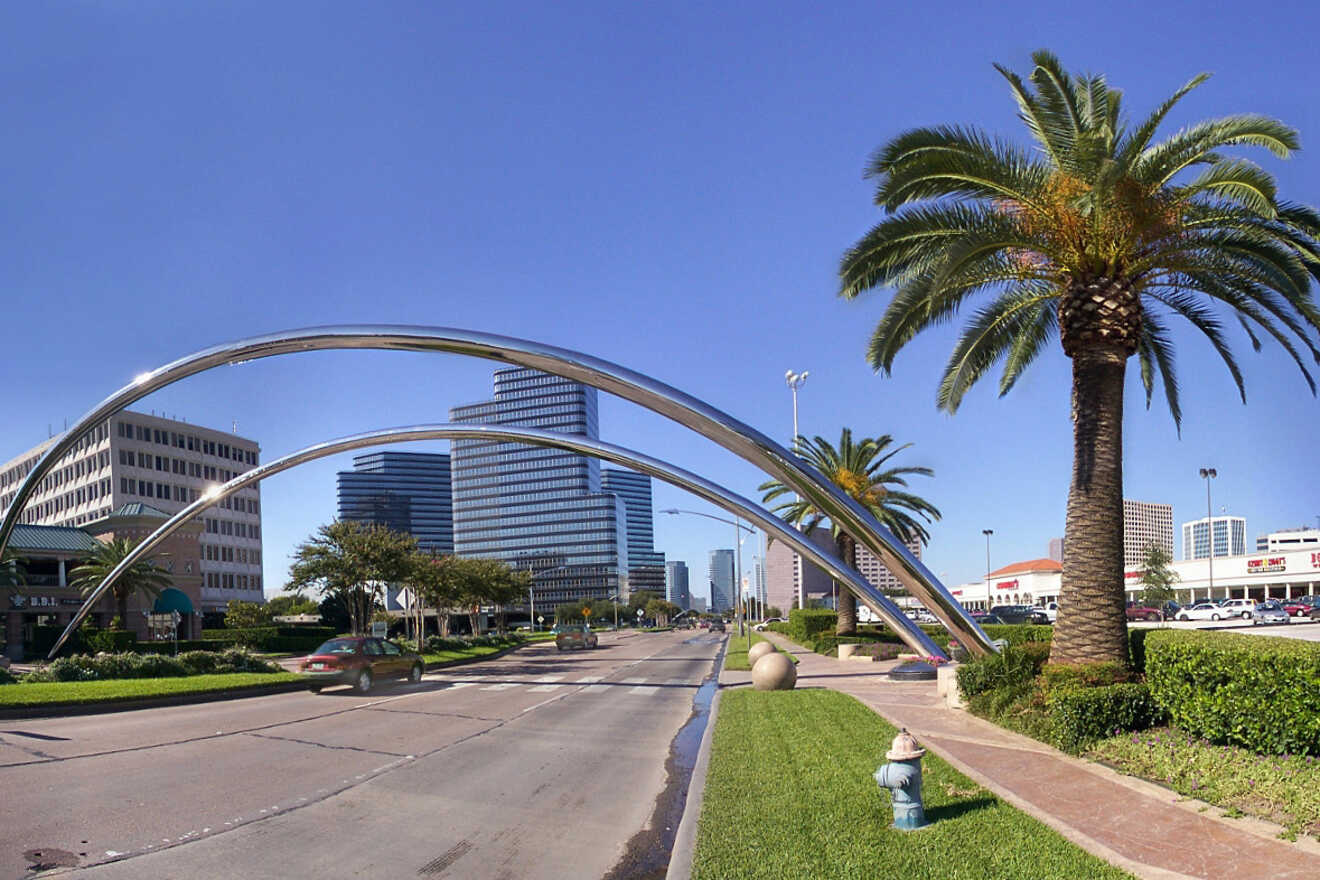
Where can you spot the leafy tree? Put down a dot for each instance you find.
(290, 605)
(638, 599)
(240, 614)
(12, 573)
(143, 576)
(1099, 236)
(437, 580)
(1159, 579)
(353, 560)
(862, 469)
(774, 611)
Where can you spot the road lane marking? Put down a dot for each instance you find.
(642, 687)
(590, 679)
(502, 686)
(455, 685)
(544, 688)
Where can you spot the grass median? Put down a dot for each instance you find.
(789, 793)
(735, 655)
(13, 696)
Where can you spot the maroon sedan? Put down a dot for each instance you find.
(1299, 607)
(1143, 612)
(359, 661)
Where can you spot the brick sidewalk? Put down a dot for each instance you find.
(1138, 826)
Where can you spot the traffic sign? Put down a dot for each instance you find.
(540, 618)
(641, 613)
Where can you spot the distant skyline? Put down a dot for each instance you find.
(666, 187)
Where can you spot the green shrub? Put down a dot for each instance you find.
(81, 667)
(805, 624)
(253, 636)
(1011, 668)
(1060, 676)
(6, 677)
(781, 628)
(110, 641)
(1137, 648)
(1261, 693)
(1081, 716)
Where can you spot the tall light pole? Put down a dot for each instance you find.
(795, 381)
(1207, 474)
(987, 533)
(738, 529)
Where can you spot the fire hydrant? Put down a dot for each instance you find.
(902, 776)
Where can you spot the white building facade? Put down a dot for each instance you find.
(1230, 537)
(166, 464)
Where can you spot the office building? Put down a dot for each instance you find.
(164, 464)
(646, 566)
(720, 580)
(405, 491)
(676, 584)
(870, 567)
(1144, 523)
(1302, 538)
(784, 570)
(1230, 537)
(700, 604)
(537, 508)
(1056, 546)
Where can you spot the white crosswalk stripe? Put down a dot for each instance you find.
(544, 685)
(502, 686)
(455, 685)
(642, 686)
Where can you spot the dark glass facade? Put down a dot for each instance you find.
(536, 508)
(646, 566)
(406, 491)
(676, 584)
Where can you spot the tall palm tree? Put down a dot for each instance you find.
(1099, 236)
(143, 576)
(862, 470)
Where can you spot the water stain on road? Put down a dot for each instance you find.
(46, 858)
(647, 855)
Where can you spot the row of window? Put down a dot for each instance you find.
(147, 461)
(230, 527)
(224, 580)
(97, 435)
(190, 442)
(223, 553)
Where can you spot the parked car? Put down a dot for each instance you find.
(1202, 611)
(1239, 607)
(1170, 609)
(1051, 611)
(1299, 606)
(761, 627)
(1012, 613)
(982, 618)
(575, 635)
(1269, 611)
(1138, 611)
(717, 626)
(1038, 616)
(359, 661)
(1315, 611)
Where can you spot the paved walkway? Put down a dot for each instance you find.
(1141, 827)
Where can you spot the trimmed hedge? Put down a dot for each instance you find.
(1082, 716)
(1260, 693)
(806, 624)
(81, 667)
(1010, 669)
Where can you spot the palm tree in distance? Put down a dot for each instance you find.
(1101, 236)
(861, 469)
(143, 576)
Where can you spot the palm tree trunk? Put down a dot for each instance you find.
(847, 614)
(1091, 626)
(121, 605)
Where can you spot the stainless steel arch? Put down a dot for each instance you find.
(911, 634)
(733, 435)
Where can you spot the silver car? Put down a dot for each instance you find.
(1269, 612)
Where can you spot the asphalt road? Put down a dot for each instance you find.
(539, 764)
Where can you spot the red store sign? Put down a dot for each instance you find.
(1007, 585)
(1266, 564)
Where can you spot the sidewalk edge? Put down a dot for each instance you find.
(685, 839)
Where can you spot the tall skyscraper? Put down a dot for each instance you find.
(646, 566)
(721, 580)
(1230, 537)
(1056, 548)
(676, 584)
(134, 458)
(1145, 523)
(537, 508)
(406, 491)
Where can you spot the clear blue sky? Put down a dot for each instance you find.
(668, 186)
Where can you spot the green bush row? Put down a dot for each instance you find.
(1260, 693)
(1080, 717)
(82, 667)
(1011, 668)
(805, 624)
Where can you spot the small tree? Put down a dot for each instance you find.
(241, 615)
(291, 605)
(774, 611)
(354, 561)
(1159, 579)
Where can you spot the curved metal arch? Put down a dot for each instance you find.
(912, 635)
(735, 436)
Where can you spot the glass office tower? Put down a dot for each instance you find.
(406, 491)
(646, 566)
(536, 508)
(722, 580)
(676, 584)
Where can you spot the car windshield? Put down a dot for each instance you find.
(338, 646)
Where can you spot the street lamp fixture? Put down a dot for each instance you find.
(987, 533)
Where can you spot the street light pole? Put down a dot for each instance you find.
(1207, 474)
(987, 533)
(736, 586)
(795, 381)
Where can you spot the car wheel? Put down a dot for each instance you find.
(1214, 616)
(1183, 617)
(1246, 615)
(363, 683)
(415, 674)
(314, 688)
(1152, 617)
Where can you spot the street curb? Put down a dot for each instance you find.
(685, 839)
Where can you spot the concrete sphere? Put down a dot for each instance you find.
(759, 650)
(774, 672)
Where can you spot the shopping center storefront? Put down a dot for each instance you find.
(1252, 576)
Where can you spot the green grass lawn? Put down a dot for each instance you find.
(1284, 789)
(51, 693)
(789, 793)
(735, 655)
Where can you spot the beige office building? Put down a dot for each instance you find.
(1146, 523)
(165, 464)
